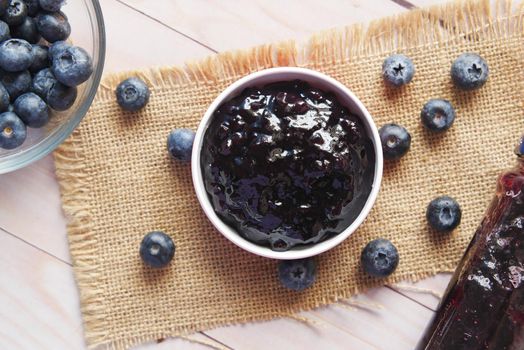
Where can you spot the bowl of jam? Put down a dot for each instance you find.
(287, 163)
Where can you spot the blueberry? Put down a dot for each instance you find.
(443, 214)
(15, 13)
(43, 80)
(33, 7)
(379, 258)
(57, 47)
(469, 71)
(15, 55)
(53, 26)
(157, 249)
(519, 150)
(12, 131)
(61, 97)
(437, 115)
(16, 83)
(51, 5)
(180, 143)
(132, 94)
(398, 70)
(297, 275)
(32, 110)
(72, 66)
(4, 99)
(395, 140)
(3, 6)
(27, 31)
(5, 32)
(40, 58)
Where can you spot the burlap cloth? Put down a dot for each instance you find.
(118, 182)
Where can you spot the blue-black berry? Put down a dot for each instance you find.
(443, 214)
(72, 66)
(61, 97)
(26, 31)
(157, 249)
(15, 55)
(12, 131)
(53, 26)
(32, 110)
(437, 115)
(16, 83)
(51, 5)
(180, 143)
(57, 47)
(398, 70)
(379, 258)
(15, 13)
(43, 80)
(132, 94)
(297, 275)
(4, 99)
(33, 7)
(469, 71)
(395, 139)
(40, 58)
(5, 32)
(3, 6)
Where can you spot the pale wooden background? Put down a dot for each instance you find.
(39, 307)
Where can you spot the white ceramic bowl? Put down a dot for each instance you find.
(316, 79)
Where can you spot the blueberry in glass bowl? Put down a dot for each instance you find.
(287, 163)
(70, 98)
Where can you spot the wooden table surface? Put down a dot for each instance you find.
(39, 306)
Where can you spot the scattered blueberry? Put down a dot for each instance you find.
(15, 55)
(57, 47)
(519, 150)
(32, 110)
(51, 5)
(437, 115)
(43, 80)
(12, 131)
(72, 66)
(53, 26)
(443, 214)
(33, 7)
(398, 70)
(4, 99)
(180, 143)
(15, 13)
(395, 140)
(297, 275)
(132, 94)
(40, 58)
(469, 71)
(26, 31)
(379, 258)
(5, 32)
(3, 6)
(157, 249)
(16, 83)
(61, 97)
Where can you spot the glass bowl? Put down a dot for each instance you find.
(87, 31)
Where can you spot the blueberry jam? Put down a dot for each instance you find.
(287, 164)
(484, 305)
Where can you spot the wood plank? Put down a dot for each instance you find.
(430, 290)
(230, 24)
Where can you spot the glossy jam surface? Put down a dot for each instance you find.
(287, 164)
(484, 305)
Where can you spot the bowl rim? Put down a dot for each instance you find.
(230, 233)
(58, 135)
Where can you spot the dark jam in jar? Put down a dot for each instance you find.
(483, 307)
(287, 164)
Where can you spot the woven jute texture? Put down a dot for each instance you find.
(118, 182)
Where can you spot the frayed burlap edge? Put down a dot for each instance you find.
(459, 22)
